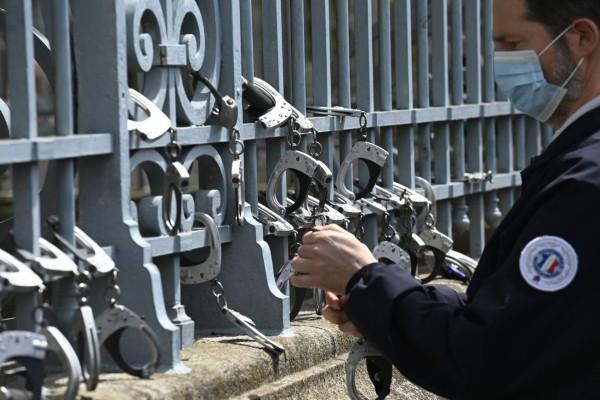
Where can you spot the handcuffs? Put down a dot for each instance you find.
(28, 348)
(109, 325)
(208, 271)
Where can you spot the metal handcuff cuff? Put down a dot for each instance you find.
(265, 104)
(311, 174)
(177, 177)
(307, 170)
(27, 348)
(52, 264)
(225, 113)
(208, 271)
(105, 329)
(378, 367)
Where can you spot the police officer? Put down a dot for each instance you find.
(529, 324)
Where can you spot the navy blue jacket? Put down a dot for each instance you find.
(504, 338)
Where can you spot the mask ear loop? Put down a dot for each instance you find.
(556, 39)
(573, 73)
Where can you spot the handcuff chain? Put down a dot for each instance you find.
(360, 227)
(295, 244)
(388, 231)
(218, 291)
(235, 142)
(293, 137)
(429, 219)
(363, 126)
(173, 149)
(315, 148)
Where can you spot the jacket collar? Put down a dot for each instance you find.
(579, 129)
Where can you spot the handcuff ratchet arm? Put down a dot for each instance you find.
(211, 267)
(374, 158)
(153, 127)
(86, 250)
(60, 346)
(112, 323)
(16, 276)
(280, 113)
(273, 223)
(360, 350)
(307, 170)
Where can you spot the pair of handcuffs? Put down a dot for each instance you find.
(107, 328)
(208, 271)
(378, 367)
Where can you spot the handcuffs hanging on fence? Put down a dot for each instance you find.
(108, 326)
(177, 176)
(225, 113)
(208, 271)
(372, 155)
(29, 348)
(310, 172)
(378, 367)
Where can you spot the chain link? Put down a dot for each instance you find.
(114, 299)
(360, 227)
(315, 148)
(236, 143)
(295, 244)
(218, 291)
(363, 126)
(388, 231)
(293, 137)
(173, 149)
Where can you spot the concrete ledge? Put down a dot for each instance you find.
(236, 367)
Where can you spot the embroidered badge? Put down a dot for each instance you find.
(548, 263)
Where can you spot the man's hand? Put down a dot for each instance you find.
(328, 258)
(334, 313)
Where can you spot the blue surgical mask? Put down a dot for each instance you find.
(519, 75)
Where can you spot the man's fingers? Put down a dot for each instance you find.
(334, 301)
(301, 280)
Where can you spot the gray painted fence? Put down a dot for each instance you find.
(420, 69)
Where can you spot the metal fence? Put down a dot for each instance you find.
(420, 69)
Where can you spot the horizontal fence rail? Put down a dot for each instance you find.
(419, 70)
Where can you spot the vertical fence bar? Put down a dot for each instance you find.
(363, 17)
(250, 151)
(440, 99)
(475, 126)
(423, 86)
(343, 74)
(23, 119)
(26, 206)
(63, 111)
(321, 50)
(385, 86)
(273, 73)
(405, 166)
(298, 60)
(273, 55)
(505, 159)
(519, 131)
(533, 138)
(492, 212)
(547, 133)
(60, 178)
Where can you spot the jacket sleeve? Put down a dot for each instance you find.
(509, 337)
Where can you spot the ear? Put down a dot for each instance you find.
(583, 38)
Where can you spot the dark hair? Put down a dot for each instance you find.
(557, 15)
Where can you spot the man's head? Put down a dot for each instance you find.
(533, 24)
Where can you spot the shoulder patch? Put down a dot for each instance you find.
(548, 263)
